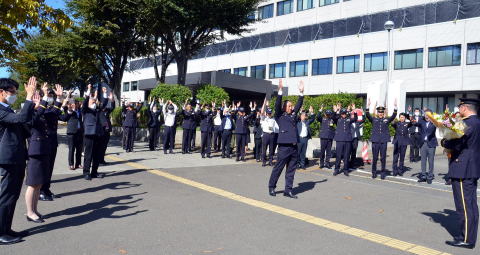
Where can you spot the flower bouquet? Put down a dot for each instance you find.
(448, 127)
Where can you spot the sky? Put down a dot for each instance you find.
(53, 3)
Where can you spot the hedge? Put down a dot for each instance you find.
(207, 94)
(177, 93)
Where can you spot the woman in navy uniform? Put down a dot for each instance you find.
(380, 137)
(464, 171)
(401, 140)
(241, 129)
(74, 121)
(343, 140)
(327, 120)
(287, 117)
(39, 148)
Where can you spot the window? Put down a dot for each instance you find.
(444, 56)
(265, 12)
(328, 2)
(376, 62)
(126, 86)
(242, 71)
(134, 86)
(251, 16)
(408, 59)
(304, 5)
(473, 53)
(299, 68)
(258, 71)
(348, 64)
(284, 7)
(277, 70)
(226, 70)
(322, 66)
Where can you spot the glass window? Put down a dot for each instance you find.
(376, 62)
(226, 70)
(134, 85)
(299, 68)
(473, 53)
(242, 71)
(444, 56)
(277, 70)
(322, 66)
(258, 71)
(126, 86)
(251, 16)
(328, 2)
(304, 5)
(348, 64)
(284, 7)
(408, 59)
(265, 12)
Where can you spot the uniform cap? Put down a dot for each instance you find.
(343, 111)
(269, 111)
(381, 109)
(471, 101)
(241, 109)
(328, 112)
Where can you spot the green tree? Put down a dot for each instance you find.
(208, 94)
(18, 16)
(177, 93)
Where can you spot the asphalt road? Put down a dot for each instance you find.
(151, 203)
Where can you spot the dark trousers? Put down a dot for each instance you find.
(399, 152)
(10, 188)
(287, 156)
(217, 138)
(45, 189)
(168, 138)
(75, 148)
(257, 150)
(415, 145)
(353, 152)
(241, 143)
(92, 154)
(226, 139)
(153, 137)
(465, 198)
(302, 151)
(193, 137)
(129, 138)
(325, 151)
(187, 140)
(342, 154)
(379, 148)
(206, 141)
(427, 153)
(268, 142)
(105, 141)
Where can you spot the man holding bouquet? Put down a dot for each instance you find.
(464, 171)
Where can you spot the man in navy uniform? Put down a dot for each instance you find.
(287, 117)
(188, 126)
(464, 171)
(401, 140)
(241, 126)
(304, 134)
(428, 146)
(228, 126)
(206, 129)
(380, 137)
(343, 140)
(327, 121)
(130, 124)
(13, 153)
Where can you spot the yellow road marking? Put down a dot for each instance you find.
(365, 235)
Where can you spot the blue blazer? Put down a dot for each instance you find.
(327, 126)
(428, 133)
(39, 142)
(309, 121)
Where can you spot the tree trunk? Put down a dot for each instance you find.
(155, 68)
(182, 62)
(163, 75)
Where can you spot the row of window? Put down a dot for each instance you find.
(404, 59)
(287, 7)
(130, 86)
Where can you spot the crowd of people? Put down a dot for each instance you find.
(281, 133)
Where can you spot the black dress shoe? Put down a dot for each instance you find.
(203, 156)
(39, 220)
(421, 180)
(270, 163)
(374, 176)
(171, 152)
(44, 197)
(8, 239)
(383, 176)
(336, 172)
(322, 166)
(429, 181)
(289, 194)
(345, 172)
(264, 165)
(460, 244)
(87, 177)
(18, 234)
(237, 159)
(272, 192)
(223, 156)
(98, 175)
(209, 156)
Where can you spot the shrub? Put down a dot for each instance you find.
(208, 94)
(177, 93)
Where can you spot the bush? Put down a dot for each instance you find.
(177, 93)
(207, 94)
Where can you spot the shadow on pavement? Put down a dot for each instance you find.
(111, 186)
(306, 186)
(447, 219)
(98, 210)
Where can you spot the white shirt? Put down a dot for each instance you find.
(303, 132)
(217, 121)
(268, 124)
(169, 117)
(228, 123)
(428, 123)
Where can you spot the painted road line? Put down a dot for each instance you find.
(338, 227)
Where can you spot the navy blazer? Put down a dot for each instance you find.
(380, 127)
(74, 121)
(154, 117)
(401, 133)
(287, 123)
(206, 121)
(464, 162)
(428, 133)
(224, 120)
(242, 122)
(107, 108)
(52, 114)
(257, 128)
(327, 126)
(188, 119)
(343, 133)
(130, 117)
(38, 142)
(13, 134)
(308, 121)
(92, 124)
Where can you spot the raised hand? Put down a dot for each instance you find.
(45, 89)
(301, 87)
(58, 90)
(310, 110)
(239, 103)
(353, 106)
(409, 108)
(30, 87)
(254, 105)
(110, 96)
(36, 99)
(395, 103)
(213, 104)
(280, 85)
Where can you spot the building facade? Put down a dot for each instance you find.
(342, 46)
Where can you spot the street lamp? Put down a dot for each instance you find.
(389, 26)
